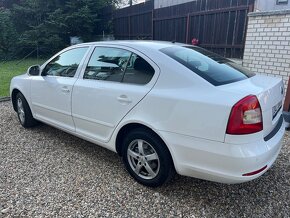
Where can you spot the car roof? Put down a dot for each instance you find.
(137, 44)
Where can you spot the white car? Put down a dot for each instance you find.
(164, 107)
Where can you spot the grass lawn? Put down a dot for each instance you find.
(13, 68)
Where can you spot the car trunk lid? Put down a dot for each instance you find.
(269, 91)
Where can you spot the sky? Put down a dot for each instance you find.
(134, 2)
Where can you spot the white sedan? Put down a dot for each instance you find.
(164, 107)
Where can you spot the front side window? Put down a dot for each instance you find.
(213, 68)
(65, 64)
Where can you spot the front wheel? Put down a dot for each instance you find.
(23, 111)
(147, 158)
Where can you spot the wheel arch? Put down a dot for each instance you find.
(130, 126)
(13, 97)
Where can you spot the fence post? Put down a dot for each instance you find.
(37, 52)
(187, 28)
(251, 7)
(152, 31)
(129, 23)
(286, 107)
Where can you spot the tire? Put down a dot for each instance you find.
(23, 112)
(147, 158)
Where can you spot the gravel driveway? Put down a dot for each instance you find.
(45, 172)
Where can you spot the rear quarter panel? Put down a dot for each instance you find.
(181, 102)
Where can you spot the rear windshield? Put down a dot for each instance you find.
(215, 69)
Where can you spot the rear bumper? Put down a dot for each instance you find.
(222, 162)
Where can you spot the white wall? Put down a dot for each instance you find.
(270, 5)
(166, 3)
(267, 48)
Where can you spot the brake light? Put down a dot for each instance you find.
(245, 117)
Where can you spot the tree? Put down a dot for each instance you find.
(50, 24)
(35, 33)
(80, 18)
(8, 3)
(8, 35)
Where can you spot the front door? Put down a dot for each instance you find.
(52, 91)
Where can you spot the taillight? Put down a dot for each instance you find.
(245, 117)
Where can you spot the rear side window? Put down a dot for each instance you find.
(213, 68)
(138, 71)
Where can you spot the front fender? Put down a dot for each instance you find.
(20, 84)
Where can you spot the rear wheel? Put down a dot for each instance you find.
(147, 158)
(23, 111)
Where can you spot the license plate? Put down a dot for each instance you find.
(276, 109)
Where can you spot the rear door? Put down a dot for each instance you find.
(113, 82)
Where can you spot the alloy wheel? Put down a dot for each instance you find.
(143, 159)
(20, 110)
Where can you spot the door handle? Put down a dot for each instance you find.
(65, 89)
(123, 99)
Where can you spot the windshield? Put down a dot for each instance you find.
(215, 69)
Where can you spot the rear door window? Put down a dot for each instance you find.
(210, 66)
(107, 64)
(118, 65)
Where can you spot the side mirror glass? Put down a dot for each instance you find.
(34, 70)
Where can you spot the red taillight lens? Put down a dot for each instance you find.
(245, 117)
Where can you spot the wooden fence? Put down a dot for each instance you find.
(219, 25)
(134, 22)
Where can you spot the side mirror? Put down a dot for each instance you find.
(34, 70)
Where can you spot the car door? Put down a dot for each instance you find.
(51, 91)
(113, 82)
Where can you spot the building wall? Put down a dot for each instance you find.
(167, 3)
(270, 5)
(267, 48)
(260, 5)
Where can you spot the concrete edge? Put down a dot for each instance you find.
(4, 99)
(269, 13)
